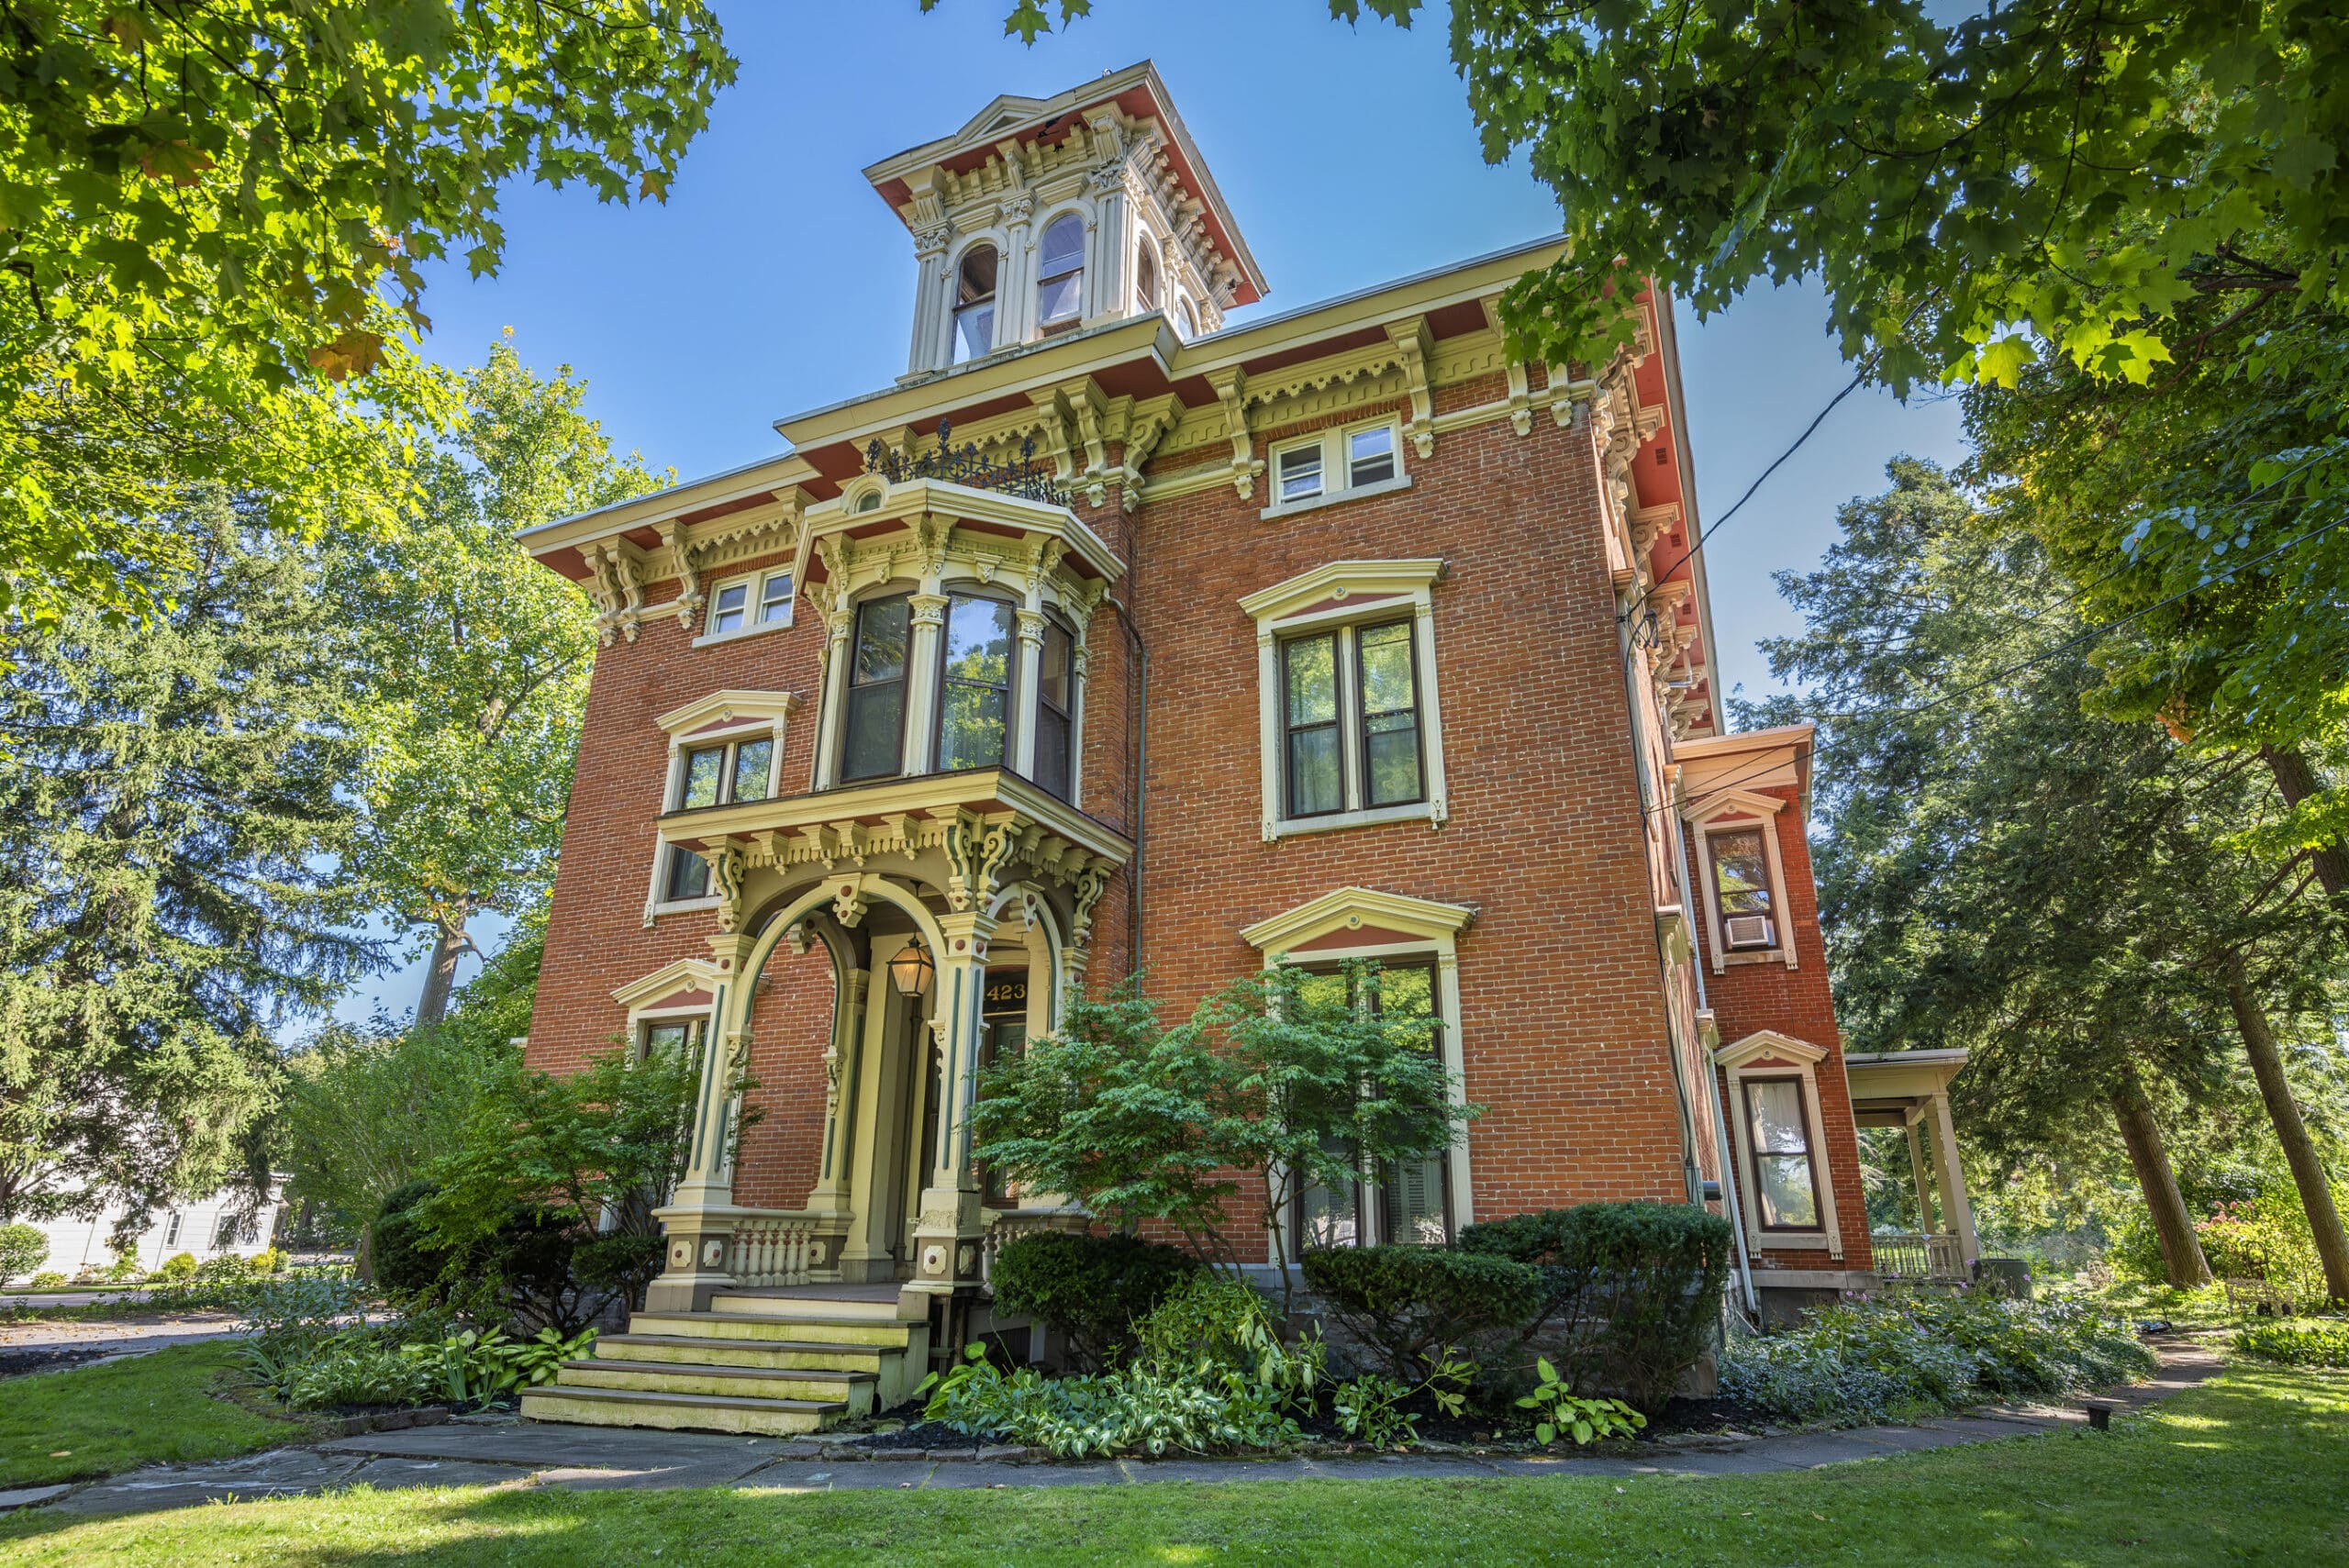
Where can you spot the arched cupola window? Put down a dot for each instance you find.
(1146, 277)
(974, 303)
(1060, 274)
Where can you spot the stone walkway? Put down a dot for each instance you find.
(503, 1451)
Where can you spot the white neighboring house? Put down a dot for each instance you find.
(206, 1228)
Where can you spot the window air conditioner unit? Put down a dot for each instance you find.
(1749, 930)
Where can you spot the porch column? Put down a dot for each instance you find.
(699, 1218)
(921, 683)
(1925, 1221)
(946, 1240)
(1961, 1212)
(1025, 671)
(830, 1194)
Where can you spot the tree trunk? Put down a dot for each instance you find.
(2300, 1153)
(2182, 1258)
(2296, 781)
(441, 978)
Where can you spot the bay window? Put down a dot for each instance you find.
(975, 683)
(1056, 710)
(873, 727)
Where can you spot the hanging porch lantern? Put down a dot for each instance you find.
(911, 970)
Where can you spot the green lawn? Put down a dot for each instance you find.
(2252, 1467)
(100, 1420)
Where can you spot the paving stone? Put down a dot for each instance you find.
(969, 1474)
(1210, 1470)
(389, 1475)
(283, 1473)
(610, 1457)
(31, 1496)
(1393, 1467)
(1003, 1454)
(831, 1476)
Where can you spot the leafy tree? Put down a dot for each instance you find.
(23, 1249)
(214, 214)
(578, 1163)
(170, 807)
(2049, 888)
(474, 661)
(1117, 1111)
(1297, 1080)
(364, 1112)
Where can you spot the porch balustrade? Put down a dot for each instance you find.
(1936, 1259)
(781, 1247)
(1008, 1225)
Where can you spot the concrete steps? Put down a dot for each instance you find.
(768, 1361)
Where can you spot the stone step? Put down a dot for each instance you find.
(778, 1303)
(720, 1325)
(679, 1412)
(816, 1355)
(852, 1390)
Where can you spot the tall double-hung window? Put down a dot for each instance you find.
(1353, 733)
(1397, 1201)
(1347, 677)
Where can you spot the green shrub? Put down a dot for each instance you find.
(1405, 1304)
(1095, 1289)
(1631, 1291)
(124, 1270)
(23, 1249)
(1212, 1325)
(1129, 1410)
(405, 1261)
(175, 1269)
(269, 1261)
(2306, 1341)
(1563, 1412)
(1864, 1361)
(356, 1370)
(50, 1280)
(229, 1268)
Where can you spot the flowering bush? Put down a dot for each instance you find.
(1866, 1361)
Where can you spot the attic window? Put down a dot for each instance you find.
(1060, 273)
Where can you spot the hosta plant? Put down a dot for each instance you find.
(1564, 1413)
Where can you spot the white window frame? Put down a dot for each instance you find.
(1769, 1054)
(1335, 445)
(721, 718)
(1346, 595)
(1428, 929)
(753, 585)
(1743, 811)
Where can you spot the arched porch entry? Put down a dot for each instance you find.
(897, 1197)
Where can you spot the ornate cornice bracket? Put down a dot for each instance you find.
(1415, 346)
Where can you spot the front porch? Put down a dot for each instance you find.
(1910, 1090)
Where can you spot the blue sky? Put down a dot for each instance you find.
(775, 280)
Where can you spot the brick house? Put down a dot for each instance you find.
(1110, 632)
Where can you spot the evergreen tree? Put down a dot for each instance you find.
(2052, 889)
(172, 803)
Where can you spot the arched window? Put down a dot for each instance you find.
(975, 685)
(872, 735)
(869, 502)
(1146, 277)
(1060, 273)
(974, 303)
(1190, 318)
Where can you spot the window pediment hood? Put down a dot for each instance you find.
(1358, 909)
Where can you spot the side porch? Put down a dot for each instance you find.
(1910, 1090)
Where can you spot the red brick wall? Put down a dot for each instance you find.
(1799, 1002)
(1563, 1032)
